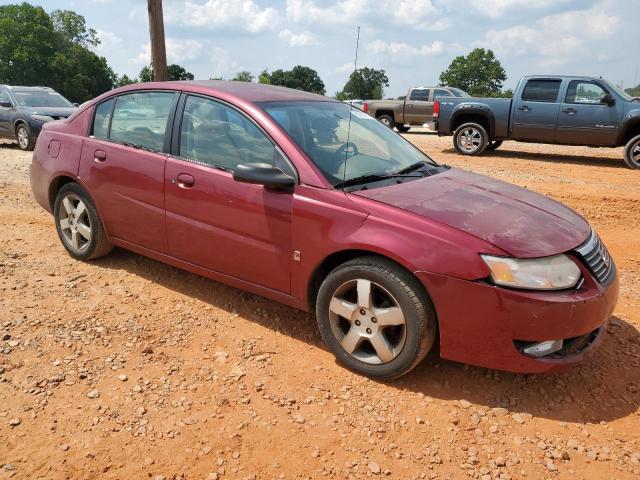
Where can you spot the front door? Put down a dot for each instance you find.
(123, 166)
(233, 228)
(418, 108)
(5, 114)
(584, 119)
(535, 115)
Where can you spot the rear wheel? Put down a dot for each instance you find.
(375, 317)
(632, 153)
(387, 121)
(25, 140)
(78, 224)
(470, 139)
(402, 128)
(493, 144)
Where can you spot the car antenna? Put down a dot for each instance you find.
(346, 150)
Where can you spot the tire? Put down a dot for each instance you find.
(25, 140)
(395, 298)
(402, 128)
(470, 139)
(632, 153)
(72, 222)
(387, 121)
(493, 144)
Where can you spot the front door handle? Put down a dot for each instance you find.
(410, 105)
(99, 156)
(570, 111)
(524, 108)
(185, 180)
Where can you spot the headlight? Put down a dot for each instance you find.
(42, 118)
(547, 273)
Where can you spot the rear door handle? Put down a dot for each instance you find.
(524, 108)
(570, 111)
(185, 180)
(99, 156)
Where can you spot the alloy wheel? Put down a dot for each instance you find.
(75, 223)
(470, 139)
(23, 137)
(367, 321)
(635, 153)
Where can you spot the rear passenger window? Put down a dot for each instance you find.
(101, 119)
(141, 119)
(217, 135)
(421, 95)
(439, 92)
(541, 91)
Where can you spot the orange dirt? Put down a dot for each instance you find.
(128, 368)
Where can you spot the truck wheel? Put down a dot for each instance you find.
(632, 152)
(470, 139)
(387, 121)
(402, 128)
(493, 144)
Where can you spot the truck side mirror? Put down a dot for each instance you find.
(608, 100)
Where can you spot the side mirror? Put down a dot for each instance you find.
(6, 104)
(76, 104)
(608, 100)
(263, 174)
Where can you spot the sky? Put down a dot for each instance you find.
(412, 40)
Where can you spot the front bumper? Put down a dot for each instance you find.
(484, 325)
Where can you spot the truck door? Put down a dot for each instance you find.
(535, 111)
(584, 118)
(418, 106)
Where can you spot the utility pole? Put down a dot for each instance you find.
(156, 32)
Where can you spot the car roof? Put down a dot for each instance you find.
(21, 88)
(569, 77)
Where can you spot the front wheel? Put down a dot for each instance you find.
(375, 317)
(632, 153)
(493, 144)
(387, 121)
(402, 128)
(25, 140)
(470, 139)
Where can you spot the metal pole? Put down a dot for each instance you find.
(156, 32)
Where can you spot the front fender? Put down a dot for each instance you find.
(631, 120)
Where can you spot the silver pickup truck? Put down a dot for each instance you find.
(545, 109)
(415, 109)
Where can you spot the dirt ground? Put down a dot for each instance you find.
(128, 368)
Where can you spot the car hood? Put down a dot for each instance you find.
(63, 112)
(514, 219)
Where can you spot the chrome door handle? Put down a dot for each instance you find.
(524, 108)
(570, 111)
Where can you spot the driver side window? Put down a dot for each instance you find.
(4, 97)
(583, 92)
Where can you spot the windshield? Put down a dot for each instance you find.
(34, 98)
(321, 130)
(619, 91)
(456, 92)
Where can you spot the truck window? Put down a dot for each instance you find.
(541, 91)
(439, 92)
(420, 95)
(584, 92)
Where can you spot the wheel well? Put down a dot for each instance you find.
(333, 261)
(630, 132)
(475, 118)
(55, 187)
(19, 122)
(379, 113)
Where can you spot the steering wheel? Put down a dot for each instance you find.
(348, 148)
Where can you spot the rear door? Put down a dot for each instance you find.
(123, 163)
(584, 119)
(418, 108)
(238, 229)
(535, 115)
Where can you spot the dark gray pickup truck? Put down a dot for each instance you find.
(545, 109)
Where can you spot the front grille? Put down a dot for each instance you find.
(597, 258)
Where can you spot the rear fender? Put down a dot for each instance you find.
(479, 109)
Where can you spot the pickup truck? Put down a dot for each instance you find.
(566, 110)
(415, 109)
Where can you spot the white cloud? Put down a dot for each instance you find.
(499, 8)
(224, 65)
(108, 42)
(178, 50)
(402, 49)
(298, 39)
(242, 14)
(555, 39)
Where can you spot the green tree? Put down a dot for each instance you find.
(176, 72)
(73, 29)
(27, 43)
(634, 91)
(124, 80)
(146, 74)
(365, 83)
(479, 73)
(243, 76)
(299, 77)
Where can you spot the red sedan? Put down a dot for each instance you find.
(312, 203)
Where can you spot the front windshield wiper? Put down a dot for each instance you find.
(372, 177)
(413, 166)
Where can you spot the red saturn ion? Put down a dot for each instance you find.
(312, 203)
